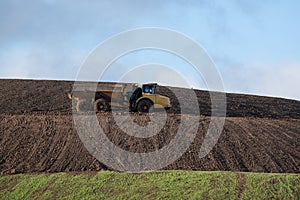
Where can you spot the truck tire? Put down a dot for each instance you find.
(144, 106)
(100, 105)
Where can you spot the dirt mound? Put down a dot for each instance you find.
(19, 96)
(37, 132)
(49, 143)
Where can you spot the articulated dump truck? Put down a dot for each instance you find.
(135, 97)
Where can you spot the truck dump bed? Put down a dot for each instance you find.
(103, 87)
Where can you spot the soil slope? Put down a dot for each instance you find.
(37, 132)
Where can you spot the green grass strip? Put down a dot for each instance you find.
(152, 185)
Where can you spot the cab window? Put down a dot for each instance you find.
(149, 89)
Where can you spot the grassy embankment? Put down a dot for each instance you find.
(152, 185)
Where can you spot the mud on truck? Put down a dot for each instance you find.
(136, 97)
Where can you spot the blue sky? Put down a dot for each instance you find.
(255, 44)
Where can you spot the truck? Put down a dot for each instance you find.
(135, 97)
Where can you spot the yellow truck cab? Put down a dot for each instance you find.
(144, 98)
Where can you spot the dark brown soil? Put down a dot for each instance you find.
(37, 132)
(19, 96)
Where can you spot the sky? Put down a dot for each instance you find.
(255, 45)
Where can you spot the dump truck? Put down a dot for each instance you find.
(136, 97)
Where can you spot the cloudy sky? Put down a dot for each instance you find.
(254, 44)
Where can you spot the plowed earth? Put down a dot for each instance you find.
(37, 132)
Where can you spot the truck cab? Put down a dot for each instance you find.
(144, 98)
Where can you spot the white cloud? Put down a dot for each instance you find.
(280, 79)
(156, 73)
(40, 63)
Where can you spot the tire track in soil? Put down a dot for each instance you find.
(241, 183)
(280, 147)
(56, 146)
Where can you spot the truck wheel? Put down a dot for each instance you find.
(144, 106)
(83, 106)
(100, 105)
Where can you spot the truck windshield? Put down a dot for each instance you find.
(149, 89)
